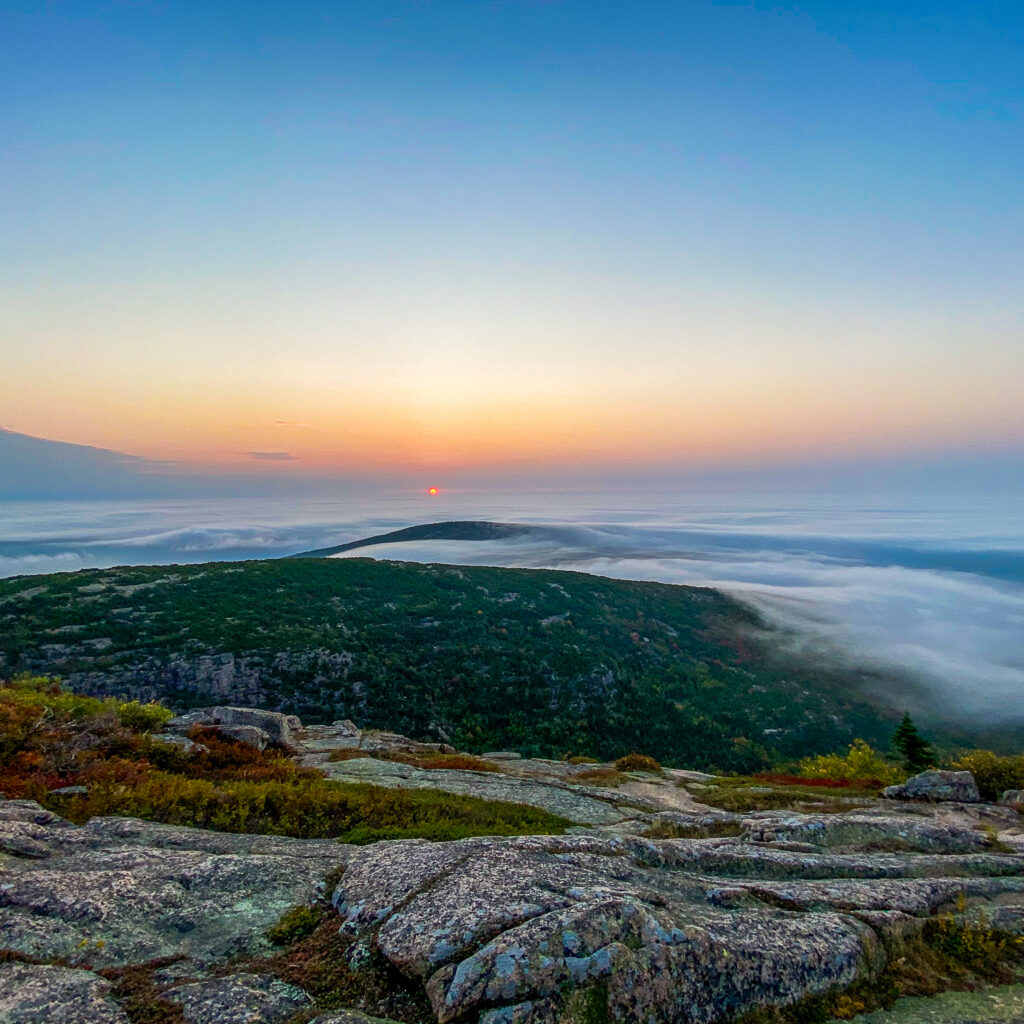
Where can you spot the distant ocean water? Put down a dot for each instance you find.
(935, 589)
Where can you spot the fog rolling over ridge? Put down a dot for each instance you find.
(933, 596)
(950, 616)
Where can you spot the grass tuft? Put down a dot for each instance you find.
(744, 793)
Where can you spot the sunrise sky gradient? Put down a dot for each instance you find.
(437, 238)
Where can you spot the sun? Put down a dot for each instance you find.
(433, 492)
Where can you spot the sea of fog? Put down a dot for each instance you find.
(936, 590)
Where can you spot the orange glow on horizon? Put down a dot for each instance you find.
(277, 428)
(433, 492)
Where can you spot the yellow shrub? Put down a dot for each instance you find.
(860, 763)
(994, 773)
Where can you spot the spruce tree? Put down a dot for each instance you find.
(915, 750)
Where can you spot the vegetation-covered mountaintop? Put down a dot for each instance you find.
(461, 529)
(541, 661)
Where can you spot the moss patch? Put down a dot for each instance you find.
(339, 972)
(586, 1006)
(140, 996)
(295, 924)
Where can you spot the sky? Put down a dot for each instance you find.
(429, 240)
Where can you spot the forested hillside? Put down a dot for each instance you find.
(541, 661)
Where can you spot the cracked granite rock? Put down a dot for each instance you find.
(119, 891)
(238, 999)
(517, 931)
(41, 994)
(855, 831)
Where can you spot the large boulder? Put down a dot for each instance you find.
(959, 787)
(249, 725)
(1012, 797)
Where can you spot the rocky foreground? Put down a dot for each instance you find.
(602, 924)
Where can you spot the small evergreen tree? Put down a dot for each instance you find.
(915, 750)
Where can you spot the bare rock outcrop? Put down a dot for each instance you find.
(936, 785)
(524, 929)
(605, 923)
(249, 725)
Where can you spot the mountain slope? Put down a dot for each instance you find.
(543, 661)
(34, 467)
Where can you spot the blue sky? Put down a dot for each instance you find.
(682, 232)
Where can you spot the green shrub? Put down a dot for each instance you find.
(143, 717)
(50, 739)
(47, 734)
(46, 694)
(859, 764)
(637, 763)
(994, 773)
